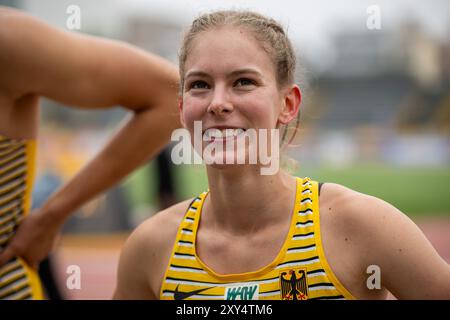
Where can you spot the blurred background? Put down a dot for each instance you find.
(375, 117)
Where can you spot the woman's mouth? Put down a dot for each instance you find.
(213, 134)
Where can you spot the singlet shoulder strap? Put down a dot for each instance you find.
(190, 205)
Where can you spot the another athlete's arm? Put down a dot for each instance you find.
(410, 268)
(87, 72)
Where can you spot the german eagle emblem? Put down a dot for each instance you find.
(293, 285)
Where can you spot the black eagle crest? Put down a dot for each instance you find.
(293, 285)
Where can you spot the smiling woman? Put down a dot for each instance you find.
(256, 236)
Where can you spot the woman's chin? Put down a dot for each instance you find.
(223, 160)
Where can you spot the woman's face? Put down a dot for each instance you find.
(230, 83)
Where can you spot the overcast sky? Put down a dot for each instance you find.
(311, 18)
(310, 23)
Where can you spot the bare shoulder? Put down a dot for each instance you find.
(160, 229)
(367, 219)
(9, 15)
(339, 193)
(361, 214)
(146, 253)
(378, 234)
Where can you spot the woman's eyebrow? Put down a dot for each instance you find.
(199, 73)
(246, 71)
(196, 73)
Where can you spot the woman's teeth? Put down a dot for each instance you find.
(222, 134)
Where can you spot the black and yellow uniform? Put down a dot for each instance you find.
(299, 272)
(17, 163)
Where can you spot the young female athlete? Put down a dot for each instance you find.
(254, 236)
(39, 60)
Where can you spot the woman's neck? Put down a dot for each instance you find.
(243, 201)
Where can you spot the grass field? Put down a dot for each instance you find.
(415, 191)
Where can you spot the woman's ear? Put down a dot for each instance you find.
(180, 109)
(291, 104)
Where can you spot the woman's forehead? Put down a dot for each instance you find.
(230, 48)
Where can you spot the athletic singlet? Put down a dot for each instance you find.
(17, 159)
(299, 272)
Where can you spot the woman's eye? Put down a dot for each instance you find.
(244, 82)
(198, 85)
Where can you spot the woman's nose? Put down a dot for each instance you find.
(220, 104)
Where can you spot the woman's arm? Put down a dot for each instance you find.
(145, 256)
(410, 267)
(86, 72)
(134, 266)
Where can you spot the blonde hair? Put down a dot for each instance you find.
(268, 32)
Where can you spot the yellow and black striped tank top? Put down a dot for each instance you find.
(17, 160)
(299, 272)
